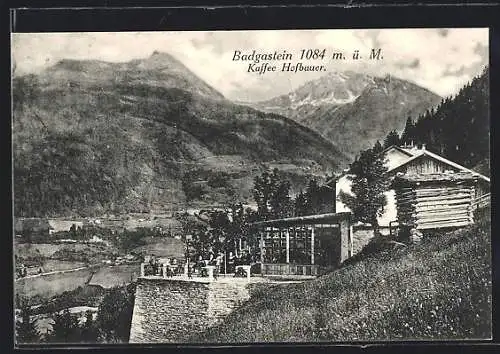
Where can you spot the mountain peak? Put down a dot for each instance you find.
(161, 60)
(347, 105)
(160, 69)
(157, 54)
(334, 88)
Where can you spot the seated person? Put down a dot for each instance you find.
(203, 272)
(148, 269)
(245, 258)
(170, 273)
(152, 260)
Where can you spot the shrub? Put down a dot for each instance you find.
(218, 180)
(89, 330)
(26, 331)
(114, 316)
(65, 328)
(81, 296)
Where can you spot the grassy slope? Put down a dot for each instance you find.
(440, 289)
(118, 275)
(42, 288)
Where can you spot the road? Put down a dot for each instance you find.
(53, 272)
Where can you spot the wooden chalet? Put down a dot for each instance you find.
(435, 200)
(410, 160)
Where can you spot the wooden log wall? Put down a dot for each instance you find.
(430, 207)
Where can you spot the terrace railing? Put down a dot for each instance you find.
(169, 271)
(290, 269)
(160, 270)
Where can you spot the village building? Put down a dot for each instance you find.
(26, 227)
(408, 160)
(58, 225)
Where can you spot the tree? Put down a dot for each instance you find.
(408, 132)
(65, 328)
(459, 127)
(89, 330)
(300, 204)
(192, 190)
(218, 180)
(315, 200)
(129, 240)
(391, 139)
(238, 226)
(225, 229)
(206, 238)
(281, 203)
(313, 197)
(271, 193)
(377, 147)
(73, 230)
(114, 315)
(26, 331)
(368, 187)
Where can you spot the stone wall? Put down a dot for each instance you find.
(172, 310)
(224, 297)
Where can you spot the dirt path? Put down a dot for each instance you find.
(54, 272)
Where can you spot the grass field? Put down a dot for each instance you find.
(438, 290)
(41, 288)
(52, 265)
(27, 250)
(118, 275)
(74, 251)
(60, 257)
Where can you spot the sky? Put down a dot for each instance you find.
(441, 60)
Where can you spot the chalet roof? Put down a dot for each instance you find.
(409, 152)
(434, 156)
(435, 177)
(414, 154)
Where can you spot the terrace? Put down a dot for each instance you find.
(290, 248)
(306, 245)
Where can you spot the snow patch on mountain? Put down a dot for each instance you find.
(330, 99)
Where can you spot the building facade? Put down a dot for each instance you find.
(406, 160)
